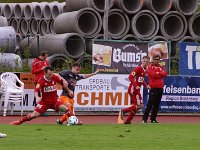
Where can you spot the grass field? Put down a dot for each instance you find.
(101, 137)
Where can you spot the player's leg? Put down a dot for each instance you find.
(133, 108)
(64, 100)
(39, 109)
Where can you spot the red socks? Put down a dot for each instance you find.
(26, 118)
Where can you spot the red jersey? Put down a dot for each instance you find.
(137, 79)
(48, 89)
(156, 73)
(37, 70)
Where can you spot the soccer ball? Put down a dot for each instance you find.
(72, 120)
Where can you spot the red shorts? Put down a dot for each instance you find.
(136, 99)
(42, 106)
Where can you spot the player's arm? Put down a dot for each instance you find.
(36, 70)
(89, 75)
(37, 90)
(132, 76)
(151, 72)
(163, 73)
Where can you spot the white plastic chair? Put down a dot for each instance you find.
(10, 91)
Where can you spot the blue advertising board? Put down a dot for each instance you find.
(180, 94)
(189, 62)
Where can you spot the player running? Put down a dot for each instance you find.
(49, 100)
(136, 81)
(67, 96)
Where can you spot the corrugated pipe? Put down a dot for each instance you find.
(186, 7)
(130, 37)
(7, 39)
(194, 26)
(33, 26)
(14, 23)
(118, 24)
(129, 6)
(98, 5)
(23, 26)
(71, 44)
(159, 7)
(87, 22)
(3, 21)
(173, 25)
(29, 10)
(43, 27)
(145, 25)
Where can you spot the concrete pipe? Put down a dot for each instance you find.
(87, 22)
(19, 10)
(130, 37)
(129, 6)
(39, 10)
(173, 25)
(43, 27)
(186, 7)
(194, 26)
(24, 44)
(19, 38)
(7, 39)
(157, 6)
(118, 24)
(23, 26)
(3, 21)
(55, 9)
(86, 62)
(47, 11)
(33, 26)
(51, 26)
(14, 23)
(8, 10)
(59, 61)
(63, 7)
(10, 61)
(159, 38)
(71, 44)
(29, 10)
(188, 39)
(98, 5)
(145, 25)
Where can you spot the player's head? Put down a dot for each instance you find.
(43, 55)
(145, 61)
(156, 59)
(48, 72)
(76, 67)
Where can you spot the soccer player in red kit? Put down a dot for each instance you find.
(136, 81)
(49, 100)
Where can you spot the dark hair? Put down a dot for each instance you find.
(156, 56)
(43, 53)
(145, 57)
(76, 65)
(46, 69)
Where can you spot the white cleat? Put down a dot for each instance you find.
(2, 135)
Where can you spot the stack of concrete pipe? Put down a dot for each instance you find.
(136, 20)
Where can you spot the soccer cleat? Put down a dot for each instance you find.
(58, 122)
(144, 121)
(15, 123)
(2, 135)
(154, 121)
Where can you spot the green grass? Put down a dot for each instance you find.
(102, 137)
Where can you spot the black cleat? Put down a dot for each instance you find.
(58, 122)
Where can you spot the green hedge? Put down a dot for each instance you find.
(28, 1)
